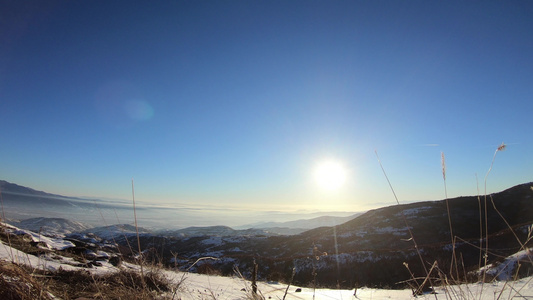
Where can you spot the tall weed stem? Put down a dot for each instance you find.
(406, 224)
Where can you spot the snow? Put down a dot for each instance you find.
(49, 261)
(506, 269)
(195, 286)
(11, 254)
(214, 240)
(413, 211)
(51, 243)
(114, 231)
(392, 230)
(58, 227)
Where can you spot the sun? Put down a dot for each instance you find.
(330, 175)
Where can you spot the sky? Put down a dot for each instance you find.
(232, 104)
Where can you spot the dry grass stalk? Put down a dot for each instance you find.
(290, 282)
(453, 263)
(500, 148)
(3, 220)
(412, 238)
(137, 229)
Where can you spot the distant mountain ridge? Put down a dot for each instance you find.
(28, 202)
(304, 223)
(113, 231)
(219, 231)
(12, 188)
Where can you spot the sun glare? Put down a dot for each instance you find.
(330, 175)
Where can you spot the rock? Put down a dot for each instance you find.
(96, 263)
(115, 261)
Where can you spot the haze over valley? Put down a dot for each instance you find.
(24, 203)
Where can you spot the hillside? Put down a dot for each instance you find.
(381, 237)
(299, 226)
(51, 226)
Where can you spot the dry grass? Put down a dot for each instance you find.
(21, 242)
(22, 283)
(16, 283)
(117, 285)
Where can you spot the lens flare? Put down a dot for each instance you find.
(139, 110)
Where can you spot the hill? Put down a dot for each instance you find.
(299, 226)
(51, 226)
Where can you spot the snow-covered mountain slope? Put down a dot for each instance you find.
(113, 231)
(51, 226)
(218, 231)
(55, 243)
(520, 262)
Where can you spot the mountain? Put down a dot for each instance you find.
(218, 231)
(374, 241)
(51, 226)
(14, 192)
(114, 231)
(259, 229)
(302, 224)
(428, 220)
(11, 188)
(28, 199)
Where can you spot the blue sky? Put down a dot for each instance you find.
(234, 103)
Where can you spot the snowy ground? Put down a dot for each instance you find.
(202, 287)
(196, 286)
